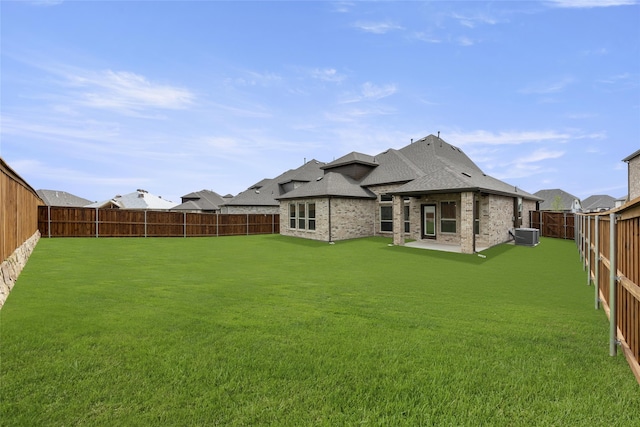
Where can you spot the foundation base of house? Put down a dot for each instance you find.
(11, 268)
(434, 246)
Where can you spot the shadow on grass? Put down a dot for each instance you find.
(385, 243)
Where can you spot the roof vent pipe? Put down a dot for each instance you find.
(438, 134)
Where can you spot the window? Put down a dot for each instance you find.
(407, 224)
(386, 198)
(386, 218)
(302, 216)
(302, 222)
(292, 215)
(476, 218)
(311, 210)
(448, 217)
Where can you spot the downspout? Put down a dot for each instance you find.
(473, 226)
(330, 237)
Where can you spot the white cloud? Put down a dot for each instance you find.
(253, 78)
(471, 21)
(327, 75)
(547, 87)
(343, 6)
(377, 27)
(126, 91)
(538, 156)
(483, 137)
(371, 91)
(465, 41)
(428, 38)
(578, 4)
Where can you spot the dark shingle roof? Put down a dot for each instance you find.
(443, 167)
(549, 197)
(331, 184)
(598, 202)
(393, 167)
(204, 200)
(353, 157)
(266, 191)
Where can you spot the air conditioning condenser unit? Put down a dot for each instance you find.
(527, 236)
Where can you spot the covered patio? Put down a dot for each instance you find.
(435, 246)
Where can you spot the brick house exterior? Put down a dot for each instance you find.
(426, 190)
(633, 165)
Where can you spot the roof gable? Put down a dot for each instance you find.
(549, 197)
(269, 189)
(330, 184)
(140, 199)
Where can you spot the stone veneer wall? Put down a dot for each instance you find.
(11, 268)
(528, 206)
(350, 219)
(250, 210)
(415, 216)
(634, 177)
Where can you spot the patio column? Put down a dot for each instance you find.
(466, 223)
(398, 220)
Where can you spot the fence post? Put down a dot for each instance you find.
(49, 219)
(589, 251)
(612, 285)
(97, 222)
(247, 224)
(184, 223)
(596, 278)
(217, 224)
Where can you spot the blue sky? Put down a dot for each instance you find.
(102, 98)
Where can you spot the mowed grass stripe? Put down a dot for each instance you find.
(270, 330)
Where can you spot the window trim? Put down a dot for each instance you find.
(304, 221)
(449, 220)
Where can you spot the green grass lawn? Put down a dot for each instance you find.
(270, 330)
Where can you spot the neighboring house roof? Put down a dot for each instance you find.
(140, 199)
(61, 198)
(598, 202)
(549, 196)
(265, 192)
(331, 184)
(204, 200)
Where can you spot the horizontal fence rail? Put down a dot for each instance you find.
(609, 245)
(56, 221)
(560, 225)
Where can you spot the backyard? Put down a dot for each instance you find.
(272, 330)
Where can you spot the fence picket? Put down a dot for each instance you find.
(72, 222)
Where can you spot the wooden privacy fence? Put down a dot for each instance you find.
(18, 211)
(560, 225)
(89, 222)
(609, 245)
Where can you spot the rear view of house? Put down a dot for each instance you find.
(427, 190)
